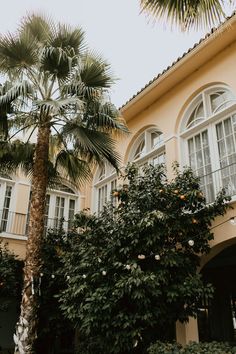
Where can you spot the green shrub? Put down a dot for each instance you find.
(165, 348)
(192, 348)
(209, 348)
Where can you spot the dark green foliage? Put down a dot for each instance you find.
(53, 326)
(192, 348)
(10, 277)
(120, 302)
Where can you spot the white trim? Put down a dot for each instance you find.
(13, 236)
(149, 151)
(212, 119)
(208, 125)
(168, 138)
(106, 180)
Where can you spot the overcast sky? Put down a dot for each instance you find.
(136, 48)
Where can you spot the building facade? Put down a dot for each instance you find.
(185, 114)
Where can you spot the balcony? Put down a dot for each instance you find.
(16, 224)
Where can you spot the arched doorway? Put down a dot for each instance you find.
(217, 317)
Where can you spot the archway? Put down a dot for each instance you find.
(217, 317)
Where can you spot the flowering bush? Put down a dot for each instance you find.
(133, 268)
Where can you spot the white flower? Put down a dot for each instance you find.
(104, 272)
(141, 256)
(157, 257)
(135, 343)
(191, 242)
(128, 266)
(84, 276)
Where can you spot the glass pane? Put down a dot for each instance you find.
(196, 116)
(157, 160)
(102, 197)
(228, 126)
(5, 211)
(190, 146)
(220, 100)
(200, 162)
(198, 142)
(156, 139)
(227, 155)
(101, 173)
(219, 131)
(140, 151)
(71, 213)
(199, 113)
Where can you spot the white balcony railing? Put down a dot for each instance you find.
(13, 223)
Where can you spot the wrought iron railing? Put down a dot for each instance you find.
(13, 223)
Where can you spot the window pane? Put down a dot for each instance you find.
(102, 197)
(5, 211)
(200, 162)
(71, 213)
(140, 151)
(227, 154)
(156, 139)
(220, 100)
(196, 116)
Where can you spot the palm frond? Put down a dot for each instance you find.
(17, 52)
(71, 167)
(186, 14)
(56, 61)
(56, 107)
(39, 26)
(104, 117)
(16, 155)
(92, 77)
(69, 39)
(19, 89)
(91, 144)
(4, 127)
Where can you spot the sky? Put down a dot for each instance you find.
(137, 49)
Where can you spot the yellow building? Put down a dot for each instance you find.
(185, 114)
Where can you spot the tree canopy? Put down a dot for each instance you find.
(133, 268)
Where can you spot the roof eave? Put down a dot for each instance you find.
(191, 61)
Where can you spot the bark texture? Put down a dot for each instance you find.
(26, 327)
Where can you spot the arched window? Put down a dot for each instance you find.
(148, 148)
(208, 133)
(105, 182)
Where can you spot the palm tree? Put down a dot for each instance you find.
(187, 13)
(59, 91)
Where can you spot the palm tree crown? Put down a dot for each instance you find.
(56, 81)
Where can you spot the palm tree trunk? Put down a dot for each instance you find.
(26, 328)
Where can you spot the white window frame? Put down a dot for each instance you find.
(149, 153)
(209, 124)
(110, 177)
(54, 193)
(4, 183)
